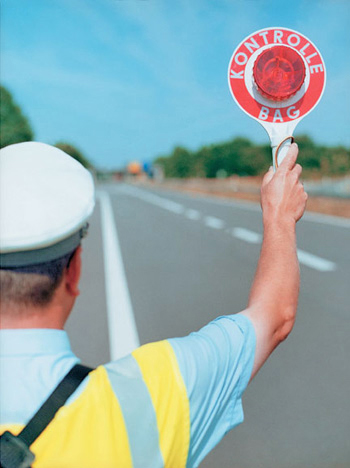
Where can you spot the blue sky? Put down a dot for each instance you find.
(131, 79)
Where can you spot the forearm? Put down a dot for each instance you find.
(274, 294)
(275, 290)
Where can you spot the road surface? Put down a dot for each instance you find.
(159, 264)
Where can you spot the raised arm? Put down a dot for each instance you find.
(273, 300)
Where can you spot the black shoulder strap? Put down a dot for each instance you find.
(58, 397)
(45, 414)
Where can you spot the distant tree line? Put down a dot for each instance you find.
(15, 128)
(242, 157)
(238, 156)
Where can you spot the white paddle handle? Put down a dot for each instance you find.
(279, 151)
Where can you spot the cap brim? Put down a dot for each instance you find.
(46, 254)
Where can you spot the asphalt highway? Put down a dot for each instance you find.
(184, 260)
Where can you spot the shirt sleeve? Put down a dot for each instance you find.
(216, 364)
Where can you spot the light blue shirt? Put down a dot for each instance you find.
(215, 362)
(32, 363)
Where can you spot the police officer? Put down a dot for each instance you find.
(168, 403)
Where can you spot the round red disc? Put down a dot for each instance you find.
(279, 72)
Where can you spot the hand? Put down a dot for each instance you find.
(282, 194)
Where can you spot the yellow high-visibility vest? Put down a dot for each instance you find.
(133, 413)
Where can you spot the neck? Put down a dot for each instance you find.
(23, 317)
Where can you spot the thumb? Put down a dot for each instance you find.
(290, 158)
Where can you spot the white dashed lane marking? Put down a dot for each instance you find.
(246, 235)
(306, 258)
(213, 222)
(192, 214)
(317, 263)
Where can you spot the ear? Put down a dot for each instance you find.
(73, 272)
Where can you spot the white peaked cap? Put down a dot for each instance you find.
(46, 198)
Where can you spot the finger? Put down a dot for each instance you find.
(291, 157)
(268, 176)
(297, 170)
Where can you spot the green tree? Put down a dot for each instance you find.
(240, 156)
(216, 160)
(15, 127)
(182, 162)
(335, 161)
(255, 160)
(75, 153)
(178, 164)
(309, 154)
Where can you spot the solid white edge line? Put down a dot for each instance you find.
(123, 336)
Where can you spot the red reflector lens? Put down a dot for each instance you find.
(279, 72)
